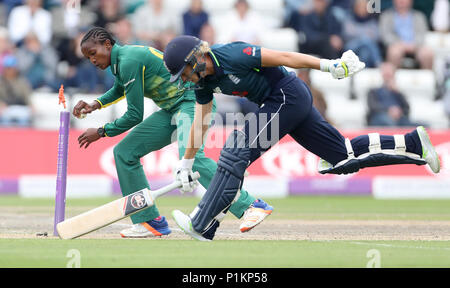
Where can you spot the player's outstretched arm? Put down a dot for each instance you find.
(199, 127)
(343, 67)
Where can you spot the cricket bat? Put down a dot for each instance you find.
(113, 211)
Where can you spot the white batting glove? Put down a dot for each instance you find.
(184, 174)
(346, 66)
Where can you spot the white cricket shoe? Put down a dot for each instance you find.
(255, 214)
(155, 227)
(428, 152)
(184, 222)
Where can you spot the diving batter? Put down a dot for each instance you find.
(257, 73)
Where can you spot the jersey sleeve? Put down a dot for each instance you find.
(245, 56)
(112, 96)
(203, 96)
(132, 76)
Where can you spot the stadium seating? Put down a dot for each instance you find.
(284, 39)
(417, 85)
(46, 110)
(337, 95)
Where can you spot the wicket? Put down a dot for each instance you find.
(61, 176)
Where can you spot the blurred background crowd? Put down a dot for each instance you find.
(39, 45)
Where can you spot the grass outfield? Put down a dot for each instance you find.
(167, 252)
(236, 254)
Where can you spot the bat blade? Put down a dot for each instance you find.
(112, 212)
(104, 215)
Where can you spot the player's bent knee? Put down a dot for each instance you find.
(124, 155)
(235, 155)
(226, 183)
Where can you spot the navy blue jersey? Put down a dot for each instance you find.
(238, 72)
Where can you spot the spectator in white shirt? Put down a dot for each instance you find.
(30, 18)
(154, 25)
(243, 24)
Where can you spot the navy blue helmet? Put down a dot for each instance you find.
(181, 52)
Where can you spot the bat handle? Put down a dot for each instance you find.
(177, 184)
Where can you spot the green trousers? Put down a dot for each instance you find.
(155, 132)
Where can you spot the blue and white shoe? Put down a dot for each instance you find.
(152, 228)
(255, 214)
(428, 152)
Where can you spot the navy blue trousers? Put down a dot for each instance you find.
(289, 110)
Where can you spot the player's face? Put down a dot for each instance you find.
(187, 75)
(99, 54)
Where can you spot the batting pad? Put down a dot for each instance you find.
(222, 191)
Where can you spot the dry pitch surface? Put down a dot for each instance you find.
(418, 221)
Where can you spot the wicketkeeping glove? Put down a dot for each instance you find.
(184, 174)
(346, 66)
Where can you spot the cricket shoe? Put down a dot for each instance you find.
(155, 227)
(255, 214)
(428, 152)
(185, 223)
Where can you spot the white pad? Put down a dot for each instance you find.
(348, 146)
(400, 145)
(374, 143)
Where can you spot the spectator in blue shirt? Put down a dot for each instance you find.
(403, 31)
(387, 106)
(322, 32)
(194, 19)
(361, 34)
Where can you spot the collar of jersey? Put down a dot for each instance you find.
(114, 58)
(218, 71)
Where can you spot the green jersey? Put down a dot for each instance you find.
(139, 72)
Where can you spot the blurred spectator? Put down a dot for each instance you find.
(30, 18)
(5, 46)
(403, 32)
(37, 62)
(10, 4)
(109, 11)
(194, 18)
(322, 32)
(123, 32)
(301, 7)
(440, 18)
(130, 6)
(446, 87)
(361, 34)
(318, 99)
(243, 24)
(14, 95)
(75, 71)
(66, 22)
(208, 34)
(155, 26)
(387, 106)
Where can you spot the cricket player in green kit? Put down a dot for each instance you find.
(140, 72)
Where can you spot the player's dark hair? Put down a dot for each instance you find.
(98, 35)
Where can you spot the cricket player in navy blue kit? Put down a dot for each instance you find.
(247, 70)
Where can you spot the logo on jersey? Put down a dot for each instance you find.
(249, 51)
(217, 90)
(240, 93)
(234, 79)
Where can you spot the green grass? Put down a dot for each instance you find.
(307, 208)
(238, 253)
